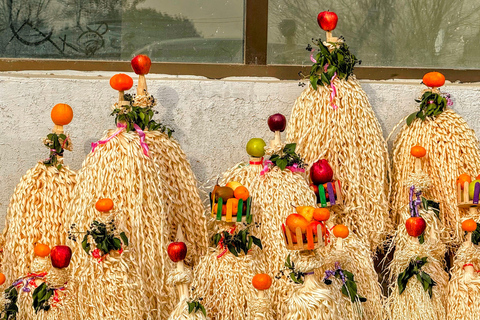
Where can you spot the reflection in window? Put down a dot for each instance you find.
(177, 31)
(407, 33)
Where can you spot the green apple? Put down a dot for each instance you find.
(471, 188)
(256, 147)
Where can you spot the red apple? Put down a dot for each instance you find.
(313, 225)
(321, 172)
(177, 251)
(61, 256)
(277, 122)
(327, 20)
(141, 64)
(415, 226)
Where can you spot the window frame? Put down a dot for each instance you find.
(254, 65)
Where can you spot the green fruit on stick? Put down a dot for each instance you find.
(256, 147)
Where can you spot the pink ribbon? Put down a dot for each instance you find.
(295, 168)
(334, 92)
(141, 134)
(312, 58)
(120, 126)
(265, 167)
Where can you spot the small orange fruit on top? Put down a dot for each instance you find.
(469, 225)
(295, 220)
(41, 250)
(241, 193)
(104, 205)
(341, 231)
(321, 214)
(463, 178)
(61, 114)
(121, 82)
(262, 281)
(418, 151)
(2, 278)
(434, 79)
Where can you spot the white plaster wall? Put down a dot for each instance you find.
(213, 119)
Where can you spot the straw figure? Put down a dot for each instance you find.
(464, 285)
(181, 197)
(37, 209)
(417, 271)
(277, 186)
(44, 292)
(180, 277)
(120, 167)
(260, 307)
(333, 120)
(104, 274)
(452, 150)
(353, 255)
(222, 278)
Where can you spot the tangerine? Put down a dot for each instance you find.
(2, 278)
(61, 114)
(121, 82)
(41, 250)
(104, 205)
(241, 193)
(462, 179)
(224, 209)
(262, 281)
(434, 79)
(341, 231)
(469, 225)
(321, 214)
(418, 151)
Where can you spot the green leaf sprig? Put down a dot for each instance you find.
(296, 276)
(104, 237)
(415, 269)
(476, 235)
(349, 287)
(57, 144)
(340, 61)
(11, 308)
(238, 242)
(287, 157)
(195, 306)
(40, 296)
(141, 116)
(430, 204)
(432, 104)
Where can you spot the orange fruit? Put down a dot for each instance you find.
(241, 193)
(61, 114)
(418, 151)
(469, 225)
(478, 177)
(224, 209)
(341, 231)
(121, 82)
(41, 250)
(463, 178)
(295, 220)
(2, 278)
(234, 206)
(321, 214)
(104, 205)
(261, 281)
(434, 79)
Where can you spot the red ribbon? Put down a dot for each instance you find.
(120, 126)
(256, 162)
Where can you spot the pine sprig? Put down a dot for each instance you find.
(287, 157)
(431, 105)
(340, 62)
(11, 309)
(415, 269)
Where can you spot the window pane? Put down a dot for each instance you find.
(176, 31)
(407, 33)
